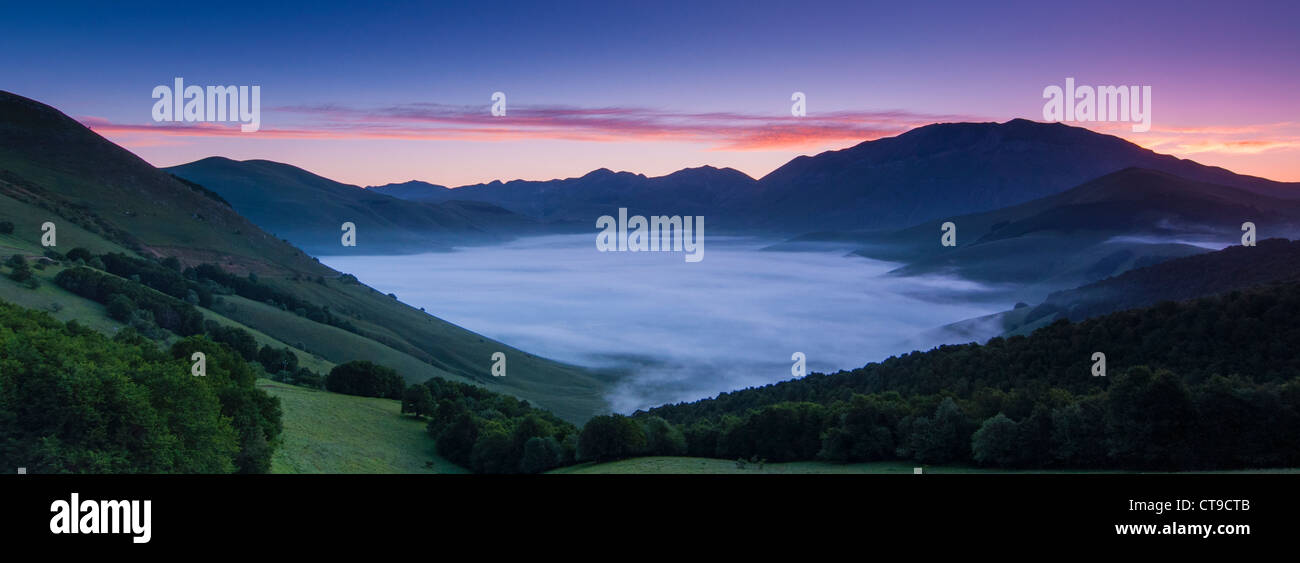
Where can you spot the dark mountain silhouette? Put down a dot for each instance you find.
(958, 168)
(693, 191)
(1127, 219)
(49, 160)
(264, 191)
(933, 171)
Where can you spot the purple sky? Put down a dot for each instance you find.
(373, 94)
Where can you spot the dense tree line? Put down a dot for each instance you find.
(199, 284)
(489, 432)
(249, 287)
(1204, 384)
(75, 401)
(124, 297)
(365, 379)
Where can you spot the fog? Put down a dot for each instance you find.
(679, 330)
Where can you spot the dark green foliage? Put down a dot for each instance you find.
(489, 432)
(661, 437)
(79, 253)
(417, 400)
(254, 414)
(19, 269)
(73, 401)
(1220, 392)
(997, 442)
(541, 454)
(251, 288)
(120, 307)
(610, 437)
(164, 277)
(168, 312)
(367, 379)
(278, 360)
(238, 339)
(6, 228)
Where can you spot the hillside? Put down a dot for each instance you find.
(262, 191)
(331, 433)
(1125, 220)
(106, 199)
(950, 169)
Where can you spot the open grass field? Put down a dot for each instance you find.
(331, 433)
(700, 465)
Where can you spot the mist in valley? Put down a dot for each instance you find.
(680, 331)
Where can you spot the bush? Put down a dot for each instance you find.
(6, 228)
(120, 307)
(610, 437)
(367, 379)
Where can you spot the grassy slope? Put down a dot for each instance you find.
(699, 465)
(332, 433)
(51, 159)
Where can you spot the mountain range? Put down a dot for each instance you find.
(934, 171)
(262, 190)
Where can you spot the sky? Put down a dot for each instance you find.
(393, 91)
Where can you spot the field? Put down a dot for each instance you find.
(332, 433)
(700, 465)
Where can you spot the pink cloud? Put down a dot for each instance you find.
(719, 130)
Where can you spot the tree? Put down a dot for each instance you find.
(456, 441)
(662, 438)
(1147, 419)
(609, 437)
(1079, 433)
(6, 228)
(541, 454)
(417, 400)
(367, 379)
(491, 452)
(997, 442)
(120, 307)
(943, 438)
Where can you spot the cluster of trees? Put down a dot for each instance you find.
(251, 288)
(75, 401)
(143, 295)
(132, 302)
(366, 379)
(163, 276)
(21, 272)
(489, 432)
(280, 364)
(199, 285)
(1205, 384)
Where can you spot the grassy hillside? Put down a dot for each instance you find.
(261, 190)
(703, 465)
(106, 199)
(331, 433)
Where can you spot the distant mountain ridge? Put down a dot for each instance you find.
(692, 191)
(309, 210)
(1124, 220)
(933, 171)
